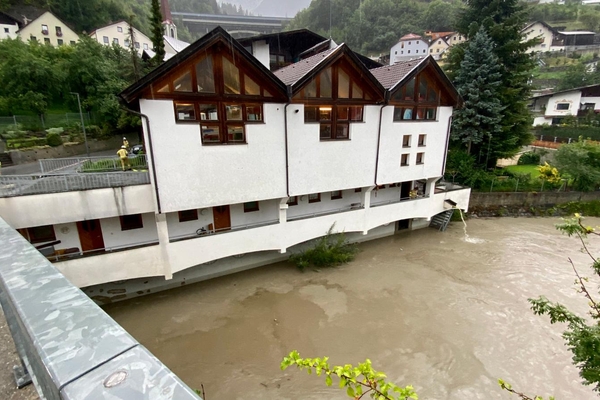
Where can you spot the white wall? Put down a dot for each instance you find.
(34, 28)
(114, 237)
(267, 211)
(541, 121)
(317, 166)
(379, 196)
(416, 48)
(573, 98)
(260, 51)
(112, 32)
(542, 33)
(12, 31)
(391, 148)
(56, 208)
(181, 229)
(68, 235)
(326, 204)
(195, 176)
(593, 100)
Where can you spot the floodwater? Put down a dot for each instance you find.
(430, 309)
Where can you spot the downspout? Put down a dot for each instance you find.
(447, 144)
(378, 142)
(145, 117)
(287, 158)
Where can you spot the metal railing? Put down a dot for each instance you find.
(400, 200)
(23, 185)
(89, 164)
(69, 348)
(350, 207)
(205, 231)
(97, 252)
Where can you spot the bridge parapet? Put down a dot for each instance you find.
(68, 346)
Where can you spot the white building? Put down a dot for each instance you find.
(48, 29)
(119, 34)
(546, 37)
(246, 165)
(9, 27)
(551, 108)
(409, 47)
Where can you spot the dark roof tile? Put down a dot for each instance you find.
(390, 75)
(294, 72)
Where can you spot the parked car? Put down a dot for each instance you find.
(138, 149)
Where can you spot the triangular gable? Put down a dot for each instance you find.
(336, 74)
(436, 86)
(214, 66)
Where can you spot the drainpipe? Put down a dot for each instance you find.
(145, 117)
(378, 142)
(447, 144)
(287, 161)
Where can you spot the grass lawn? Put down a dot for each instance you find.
(524, 169)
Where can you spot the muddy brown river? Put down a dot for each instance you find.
(430, 309)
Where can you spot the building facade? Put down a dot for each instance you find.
(247, 165)
(409, 47)
(552, 108)
(119, 34)
(9, 27)
(48, 29)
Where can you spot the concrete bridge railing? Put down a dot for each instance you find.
(69, 347)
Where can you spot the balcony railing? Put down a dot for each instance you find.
(387, 202)
(350, 207)
(89, 164)
(23, 185)
(69, 254)
(205, 231)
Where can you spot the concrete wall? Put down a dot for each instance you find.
(195, 176)
(496, 199)
(317, 166)
(57, 208)
(62, 151)
(182, 229)
(437, 48)
(34, 29)
(268, 211)
(115, 238)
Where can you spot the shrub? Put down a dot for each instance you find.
(529, 158)
(54, 139)
(329, 251)
(55, 130)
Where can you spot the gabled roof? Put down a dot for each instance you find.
(298, 74)
(394, 76)
(8, 19)
(410, 36)
(539, 22)
(42, 14)
(176, 44)
(215, 36)
(20, 12)
(438, 35)
(581, 89)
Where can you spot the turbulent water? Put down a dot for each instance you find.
(431, 309)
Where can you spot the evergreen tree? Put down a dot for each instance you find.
(478, 82)
(503, 21)
(158, 40)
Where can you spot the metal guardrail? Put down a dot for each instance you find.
(97, 252)
(23, 185)
(70, 348)
(401, 200)
(204, 231)
(327, 212)
(74, 165)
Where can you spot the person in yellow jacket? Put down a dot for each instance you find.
(122, 153)
(126, 143)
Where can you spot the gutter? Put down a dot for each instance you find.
(145, 117)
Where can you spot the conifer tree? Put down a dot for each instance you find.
(158, 40)
(478, 82)
(503, 20)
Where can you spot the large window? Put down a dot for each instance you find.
(417, 100)
(334, 99)
(132, 221)
(219, 96)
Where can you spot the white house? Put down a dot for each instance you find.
(409, 47)
(246, 165)
(9, 26)
(48, 29)
(119, 34)
(551, 108)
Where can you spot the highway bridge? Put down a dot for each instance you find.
(237, 26)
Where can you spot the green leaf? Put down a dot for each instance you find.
(328, 380)
(350, 392)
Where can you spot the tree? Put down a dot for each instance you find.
(478, 82)
(158, 41)
(581, 162)
(503, 20)
(590, 19)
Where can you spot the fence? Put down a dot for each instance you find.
(22, 185)
(69, 348)
(46, 121)
(89, 164)
(505, 184)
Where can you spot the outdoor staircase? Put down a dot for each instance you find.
(440, 221)
(5, 160)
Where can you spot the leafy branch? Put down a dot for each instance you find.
(359, 381)
(507, 386)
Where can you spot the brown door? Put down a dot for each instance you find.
(222, 218)
(90, 235)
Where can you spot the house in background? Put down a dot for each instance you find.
(48, 29)
(9, 26)
(547, 38)
(439, 46)
(552, 108)
(118, 33)
(409, 47)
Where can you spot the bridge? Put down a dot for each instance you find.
(237, 26)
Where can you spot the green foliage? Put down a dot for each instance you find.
(478, 82)
(529, 158)
(328, 251)
(22, 143)
(508, 387)
(158, 40)
(578, 75)
(53, 139)
(503, 21)
(580, 161)
(549, 132)
(358, 381)
(462, 168)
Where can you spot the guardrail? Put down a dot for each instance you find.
(347, 208)
(205, 231)
(403, 199)
(76, 253)
(74, 165)
(68, 346)
(23, 185)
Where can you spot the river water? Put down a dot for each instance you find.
(430, 309)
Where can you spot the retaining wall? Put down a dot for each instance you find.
(509, 199)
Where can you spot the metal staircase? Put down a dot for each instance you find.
(440, 221)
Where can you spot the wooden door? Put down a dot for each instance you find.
(222, 218)
(90, 235)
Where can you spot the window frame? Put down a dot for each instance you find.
(45, 29)
(420, 160)
(336, 196)
(405, 159)
(249, 206)
(33, 238)
(416, 108)
(105, 40)
(558, 106)
(422, 141)
(317, 200)
(131, 221)
(292, 201)
(188, 215)
(406, 143)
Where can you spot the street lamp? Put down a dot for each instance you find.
(87, 149)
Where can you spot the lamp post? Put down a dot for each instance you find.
(87, 149)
